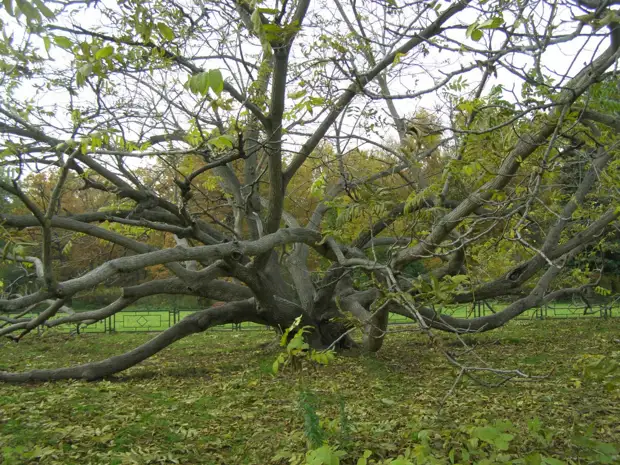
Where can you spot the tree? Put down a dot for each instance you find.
(391, 157)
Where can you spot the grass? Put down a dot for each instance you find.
(211, 399)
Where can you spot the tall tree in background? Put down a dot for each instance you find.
(443, 152)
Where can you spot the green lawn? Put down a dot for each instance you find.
(212, 399)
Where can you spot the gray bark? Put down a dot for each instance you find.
(235, 312)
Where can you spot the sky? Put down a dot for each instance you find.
(423, 73)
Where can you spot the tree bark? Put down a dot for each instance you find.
(235, 312)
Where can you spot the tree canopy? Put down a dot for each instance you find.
(329, 162)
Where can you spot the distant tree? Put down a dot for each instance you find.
(335, 160)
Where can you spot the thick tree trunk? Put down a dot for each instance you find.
(375, 330)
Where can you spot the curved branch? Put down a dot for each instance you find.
(485, 323)
(217, 290)
(607, 120)
(235, 312)
(526, 145)
(179, 254)
(550, 249)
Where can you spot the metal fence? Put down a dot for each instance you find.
(138, 321)
(554, 310)
(145, 320)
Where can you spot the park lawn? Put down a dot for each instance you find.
(212, 399)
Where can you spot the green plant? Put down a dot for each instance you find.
(539, 432)
(536, 458)
(297, 349)
(345, 423)
(594, 450)
(600, 369)
(324, 455)
(312, 428)
(363, 460)
(496, 436)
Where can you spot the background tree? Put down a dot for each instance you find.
(393, 157)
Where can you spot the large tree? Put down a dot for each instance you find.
(336, 160)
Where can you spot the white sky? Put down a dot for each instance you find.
(561, 59)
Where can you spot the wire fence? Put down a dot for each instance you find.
(153, 320)
(554, 310)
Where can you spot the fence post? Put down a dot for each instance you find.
(477, 309)
(605, 311)
(111, 323)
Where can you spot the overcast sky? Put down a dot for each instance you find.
(559, 60)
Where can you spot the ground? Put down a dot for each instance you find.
(212, 399)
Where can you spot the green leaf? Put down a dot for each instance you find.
(191, 85)
(297, 95)
(494, 436)
(318, 186)
(401, 461)
(199, 83)
(256, 22)
(533, 459)
(297, 344)
(49, 14)
(362, 461)
(216, 81)
(66, 250)
(8, 6)
(104, 52)
(19, 251)
(476, 35)
(492, 23)
(397, 58)
(470, 29)
(63, 42)
(607, 449)
(47, 43)
(324, 455)
(32, 14)
(165, 31)
(273, 29)
(85, 70)
(222, 142)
